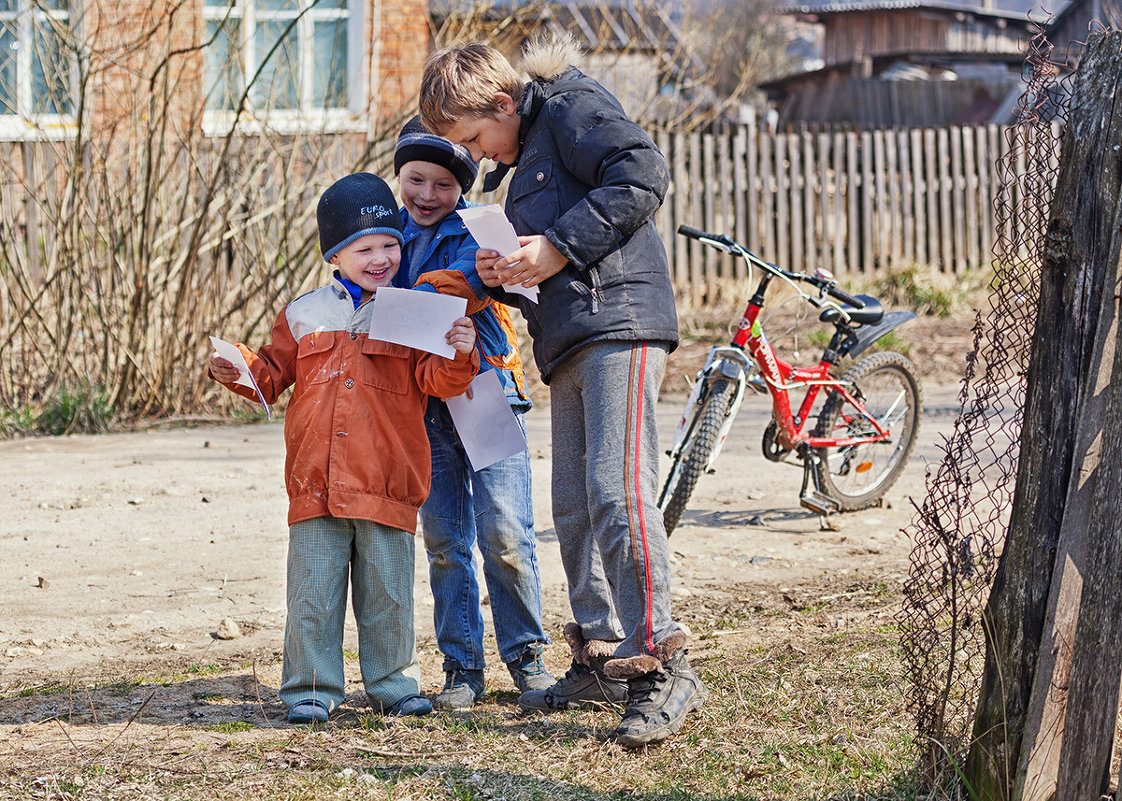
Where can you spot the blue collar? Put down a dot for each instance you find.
(353, 289)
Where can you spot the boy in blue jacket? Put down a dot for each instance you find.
(491, 507)
(583, 199)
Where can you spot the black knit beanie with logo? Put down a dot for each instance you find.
(353, 207)
(417, 143)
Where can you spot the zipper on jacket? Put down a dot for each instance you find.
(595, 289)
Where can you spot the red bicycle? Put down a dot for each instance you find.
(865, 421)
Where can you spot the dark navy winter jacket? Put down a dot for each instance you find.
(590, 180)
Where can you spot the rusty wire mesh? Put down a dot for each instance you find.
(959, 528)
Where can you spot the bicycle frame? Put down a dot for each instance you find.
(782, 377)
(751, 352)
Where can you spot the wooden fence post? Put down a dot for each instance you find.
(1045, 717)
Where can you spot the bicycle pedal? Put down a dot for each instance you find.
(817, 502)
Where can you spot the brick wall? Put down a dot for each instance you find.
(134, 74)
(402, 48)
(145, 61)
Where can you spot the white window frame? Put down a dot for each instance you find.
(25, 124)
(218, 122)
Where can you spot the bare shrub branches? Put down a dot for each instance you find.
(139, 225)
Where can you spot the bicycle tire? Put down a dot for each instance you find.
(687, 468)
(858, 476)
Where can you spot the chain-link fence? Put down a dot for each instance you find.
(959, 528)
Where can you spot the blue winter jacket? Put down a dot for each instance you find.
(450, 259)
(590, 180)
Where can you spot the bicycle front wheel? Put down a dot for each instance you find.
(857, 476)
(694, 453)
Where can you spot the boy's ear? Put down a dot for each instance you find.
(504, 104)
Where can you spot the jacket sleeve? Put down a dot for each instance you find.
(446, 378)
(500, 295)
(459, 278)
(628, 174)
(273, 366)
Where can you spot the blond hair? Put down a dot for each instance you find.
(462, 80)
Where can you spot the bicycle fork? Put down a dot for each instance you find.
(724, 362)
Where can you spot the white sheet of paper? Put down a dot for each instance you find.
(415, 318)
(486, 423)
(230, 353)
(493, 231)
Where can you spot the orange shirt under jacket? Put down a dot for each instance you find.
(354, 431)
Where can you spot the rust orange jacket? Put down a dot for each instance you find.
(354, 432)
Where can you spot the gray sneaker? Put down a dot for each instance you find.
(462, 688)
(580, 686)
(528, 670)
(658, 702)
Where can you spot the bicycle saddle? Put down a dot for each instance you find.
(870, 315)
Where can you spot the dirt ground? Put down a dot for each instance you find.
(129, 555)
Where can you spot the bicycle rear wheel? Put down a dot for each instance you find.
(694, 453)
(857, 476)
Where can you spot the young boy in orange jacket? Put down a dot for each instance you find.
(357, 464)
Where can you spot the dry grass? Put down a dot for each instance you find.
(804, 704)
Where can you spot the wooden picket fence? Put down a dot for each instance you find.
(855, 202)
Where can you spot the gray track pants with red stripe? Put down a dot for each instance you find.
(605, 476)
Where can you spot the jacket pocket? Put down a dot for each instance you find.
(585, 288)
(314, 359)
(387, 366)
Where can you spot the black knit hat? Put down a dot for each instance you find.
(417, 143)
(352, 207)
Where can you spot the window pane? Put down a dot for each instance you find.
(219, 3)
(276, 86)
(224, 72)
(50, 70)
(330, 4)
(329, 72)
(9, 46)
(278, 5)
(7, 6)
(53, 5)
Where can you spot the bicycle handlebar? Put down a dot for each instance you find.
(845, 297)
(697, 233)
(724, 241)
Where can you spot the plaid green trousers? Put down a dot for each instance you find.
(322, 554)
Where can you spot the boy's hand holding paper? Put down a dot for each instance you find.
(493, 231)
(230, 353)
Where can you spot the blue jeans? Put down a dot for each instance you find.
(494, 508)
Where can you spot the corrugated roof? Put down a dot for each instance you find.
(597, 24)
(1008, 9)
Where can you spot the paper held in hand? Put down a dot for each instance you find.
(230, 353)
(415, 318)
(493, 231)
(487, 427)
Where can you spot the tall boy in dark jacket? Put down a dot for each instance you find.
(583, 199)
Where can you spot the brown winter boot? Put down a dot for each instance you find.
(662, 690)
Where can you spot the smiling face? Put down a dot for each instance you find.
(428, 191)
(494, 136)
(370, 261)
